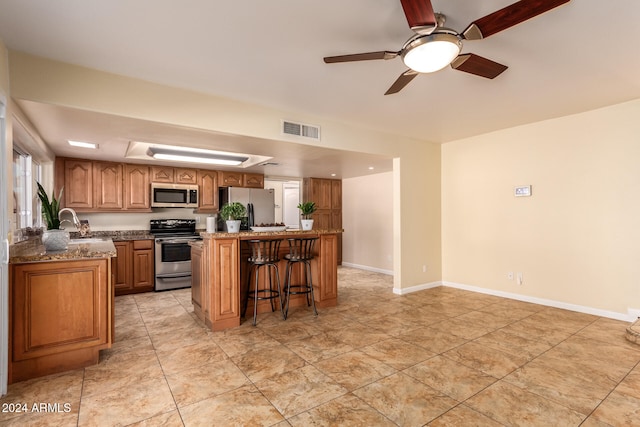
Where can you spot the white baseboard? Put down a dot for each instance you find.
(634, 313)
(416, 288)
(367, 268)
(550, 303)
(631, 316)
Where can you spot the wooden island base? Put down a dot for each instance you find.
(220, 268)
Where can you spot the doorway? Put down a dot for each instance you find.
(287, 197)
(291, 200)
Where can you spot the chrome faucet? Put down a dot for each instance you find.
(76, 221)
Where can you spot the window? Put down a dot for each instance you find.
(26, 172)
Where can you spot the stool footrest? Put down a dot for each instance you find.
(298, 289)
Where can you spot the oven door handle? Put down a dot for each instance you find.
(176, 241)
(173, 276)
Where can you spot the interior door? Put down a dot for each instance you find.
(4, 252)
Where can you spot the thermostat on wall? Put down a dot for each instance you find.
(523, 191)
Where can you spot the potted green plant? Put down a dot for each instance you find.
(53, 238)
(232, 213)
(307, 209)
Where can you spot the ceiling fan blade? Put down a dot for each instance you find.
(475, 64)
(508, 17)
(404, 79)
(383, 54)
(420, 15)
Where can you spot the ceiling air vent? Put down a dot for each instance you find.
(299, 129)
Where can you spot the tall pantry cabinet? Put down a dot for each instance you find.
(327, 195)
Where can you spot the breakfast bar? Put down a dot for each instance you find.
(220, 268)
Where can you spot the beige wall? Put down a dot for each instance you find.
(417, 165)
(4, 70)
(576, 240)
(367, 204)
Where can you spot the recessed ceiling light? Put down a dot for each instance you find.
(333, 174)
(83, 144)
(371, 168)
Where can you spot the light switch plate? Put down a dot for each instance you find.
(522, 191)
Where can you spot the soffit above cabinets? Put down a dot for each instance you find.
(114, 135)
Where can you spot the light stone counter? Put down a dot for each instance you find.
(246, 235)
(34, 251)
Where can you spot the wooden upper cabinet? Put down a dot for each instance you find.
(231, 179)
(173, 175)
(208, 194)
(253, 180)
(336, 194)
(162, 174)
(95, 186)
(327, 194)
(320, 192)
(185, 176)
(107, 185)
(137, 188)
(239, 179)
(78, 184)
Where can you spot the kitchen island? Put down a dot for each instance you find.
(220, 268)
(60, 307)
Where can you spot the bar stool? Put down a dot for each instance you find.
(300, 251)
(264, 253)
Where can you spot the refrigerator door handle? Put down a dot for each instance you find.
(250, 213)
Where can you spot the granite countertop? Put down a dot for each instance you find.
(116, 236)
(248, 234)
(33, 251)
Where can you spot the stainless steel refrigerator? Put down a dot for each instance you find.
(260, 204)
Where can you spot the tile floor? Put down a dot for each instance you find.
(438, 357)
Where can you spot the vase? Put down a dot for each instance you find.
(55, 240)
(233, 226)
(307, 224)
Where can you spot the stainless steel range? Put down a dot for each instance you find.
(173, 253)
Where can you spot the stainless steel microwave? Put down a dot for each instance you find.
(174, 195)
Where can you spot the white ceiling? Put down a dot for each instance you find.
(270, 53)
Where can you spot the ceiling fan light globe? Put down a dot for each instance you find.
(427, 54)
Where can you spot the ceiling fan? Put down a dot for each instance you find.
(434, 46)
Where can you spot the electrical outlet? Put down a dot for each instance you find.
(424, 268)
(510, 275)
(519, 278)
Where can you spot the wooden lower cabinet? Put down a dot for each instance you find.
(133, 267)
(225, 286)
(60, 316)
(215, 283)
(200, 293)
